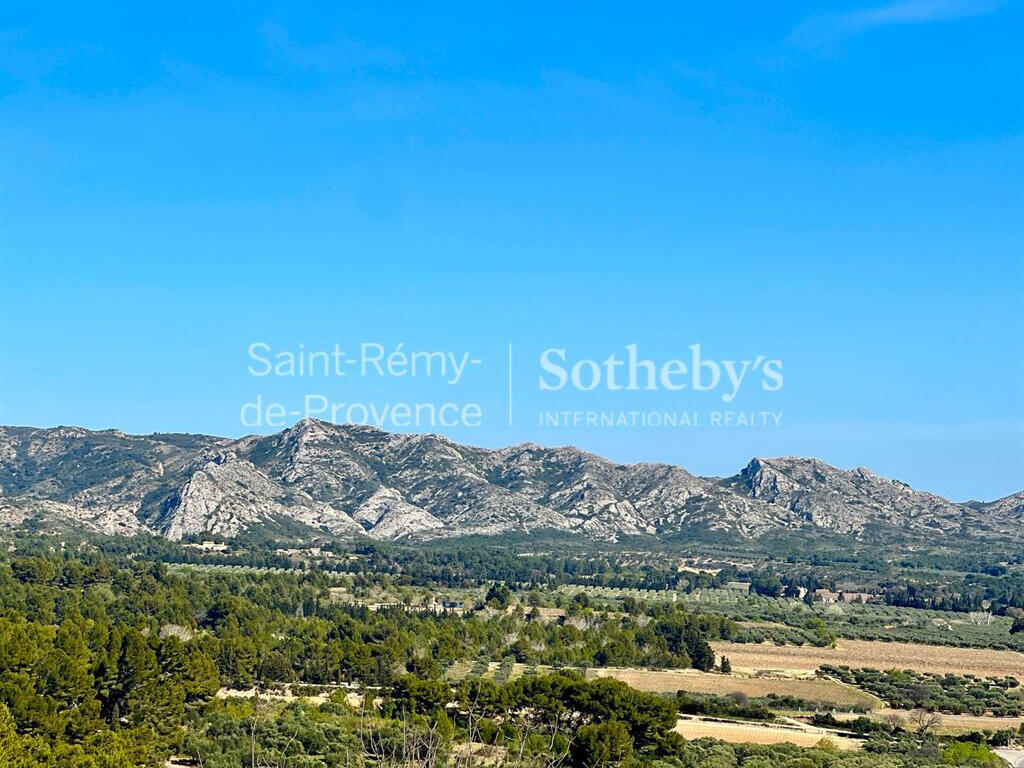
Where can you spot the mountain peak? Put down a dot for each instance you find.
(346, 480)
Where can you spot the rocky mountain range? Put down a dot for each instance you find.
(349, 481)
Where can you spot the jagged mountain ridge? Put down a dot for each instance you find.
(354, 480)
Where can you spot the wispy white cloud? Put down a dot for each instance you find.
(828, 30)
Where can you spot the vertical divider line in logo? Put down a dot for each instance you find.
(510, 384)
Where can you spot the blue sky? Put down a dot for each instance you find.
(840, 191)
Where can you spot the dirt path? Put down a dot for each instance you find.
(1015, 757)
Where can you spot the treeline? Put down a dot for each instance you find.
(566, 708)
(933, 692)
(999, 593)
(957, 581)
(474, 563)
(543, 722)
(108, 660)
(737, 706)
(991, 588)
(912, 596)
(90, 650)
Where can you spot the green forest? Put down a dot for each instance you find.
(111, 659)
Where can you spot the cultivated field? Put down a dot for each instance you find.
(953, 723)
(829, 692)
(754, 733)
(783, 620)
(874, 654)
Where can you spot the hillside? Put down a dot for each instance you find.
(359, 481)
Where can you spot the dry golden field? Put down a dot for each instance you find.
(810, 689)
(874, 654)
(954, 723)
(753, 733)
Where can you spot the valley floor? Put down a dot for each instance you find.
(749, 657)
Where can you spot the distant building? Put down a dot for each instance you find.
(857, 597)
(208, 546)
(828, 596)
